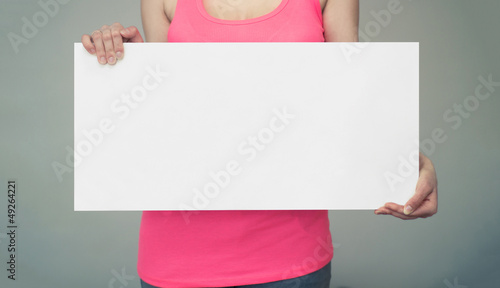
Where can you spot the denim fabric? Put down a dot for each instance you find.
(318, 279)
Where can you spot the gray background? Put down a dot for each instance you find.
(57, 247)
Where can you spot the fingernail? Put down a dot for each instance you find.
(111, 59)
(118, 54)
(103, 60)
(408, 209)
(92, 51)
(123, 31)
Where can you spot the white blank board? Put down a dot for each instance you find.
(246, 126)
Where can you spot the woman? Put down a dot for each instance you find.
(266, 249)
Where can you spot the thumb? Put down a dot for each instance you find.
(132, 34)
(421, 192)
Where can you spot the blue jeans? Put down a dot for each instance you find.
(317, 279)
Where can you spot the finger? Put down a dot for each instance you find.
(117, 40)
(426, 209)
(132, 34)
(385, 207)
(117, 46)
(87, 44)
(109, 46)
(99, 46)
(118, 43)
(382, 211)
(425, 186)
(394, 207)
(387, 211)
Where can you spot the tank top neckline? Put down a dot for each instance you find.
(204, 13)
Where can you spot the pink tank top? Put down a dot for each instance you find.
(229, 248)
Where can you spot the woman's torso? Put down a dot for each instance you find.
(227, 248)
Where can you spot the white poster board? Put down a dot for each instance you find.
(246, 126)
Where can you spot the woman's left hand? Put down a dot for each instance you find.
(423, 204)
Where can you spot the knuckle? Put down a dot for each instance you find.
(116, 34)
(106, 36)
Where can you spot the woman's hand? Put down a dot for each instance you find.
(424, 203)
(107, 42)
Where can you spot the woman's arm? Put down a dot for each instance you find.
(341, 20)
(154, 20)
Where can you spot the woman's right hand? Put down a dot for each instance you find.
(107, 42)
